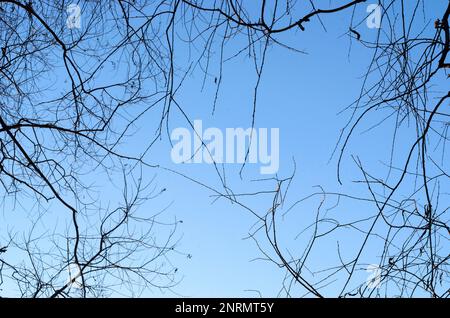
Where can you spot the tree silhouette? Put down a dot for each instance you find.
(71, 99)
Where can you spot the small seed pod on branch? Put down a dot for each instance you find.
(437, 24)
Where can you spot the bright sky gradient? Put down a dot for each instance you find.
(302, 95)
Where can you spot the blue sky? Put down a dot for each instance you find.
(302, 95)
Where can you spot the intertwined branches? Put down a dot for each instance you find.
(71, 99)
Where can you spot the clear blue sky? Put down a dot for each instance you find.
(301, 94)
